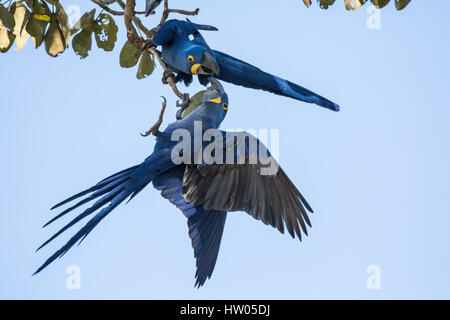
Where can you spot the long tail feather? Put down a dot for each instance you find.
(110, 192)
(80, 235)
(96, 187)
(98, 193)
(244, 74)
(97, 205)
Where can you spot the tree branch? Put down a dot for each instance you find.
(107, 2)
(132, 35)
(186, 13)
(170, 80)
(137, 21)
(138, 42)
(166, 13)
(104, 4)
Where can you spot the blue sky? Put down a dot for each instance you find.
(377, 173)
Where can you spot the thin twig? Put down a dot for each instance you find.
(137, 21)
(185, 12)
(139, 42)
(170, 80)
(132, 35)
(107, 2)
(105, 6)
(166, 13)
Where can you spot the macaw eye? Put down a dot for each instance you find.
(191, 59)
(225, 106)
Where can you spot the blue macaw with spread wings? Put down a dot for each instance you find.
(203, 192)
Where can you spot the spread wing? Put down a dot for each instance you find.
(205, 226)
(271, 198)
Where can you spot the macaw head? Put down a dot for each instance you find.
(216, 97)
(199, 60)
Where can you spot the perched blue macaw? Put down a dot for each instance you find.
(187, 57)
(203, 192)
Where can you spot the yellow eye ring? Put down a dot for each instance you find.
(225, 106)
(191, 59)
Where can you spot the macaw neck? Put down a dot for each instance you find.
(207, 113)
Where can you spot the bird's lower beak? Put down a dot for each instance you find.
(208, 65)
(215, 84)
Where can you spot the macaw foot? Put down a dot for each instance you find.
(166, 75)
(183, 105)
(148, 44)
(155, 128)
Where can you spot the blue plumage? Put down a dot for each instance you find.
(203, 192)
(160, 169)
(205, 226)
(189, 57)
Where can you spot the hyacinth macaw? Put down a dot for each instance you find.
(187, 57)
(204, 193)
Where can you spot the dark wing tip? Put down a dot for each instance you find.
(330, 105)
(324, 102)
(200, 280)
(206, 27)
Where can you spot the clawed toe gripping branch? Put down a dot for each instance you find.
(155, 128)
(132, 21)
(134, 24)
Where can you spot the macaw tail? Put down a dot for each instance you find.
(243, 74)
(112, 191)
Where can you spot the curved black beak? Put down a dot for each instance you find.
(209, 65)
(217, 85)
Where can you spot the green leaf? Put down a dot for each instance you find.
(401, 4)
(82, 43)
(357, 4)
(21, 16)
(146, 65)
(380, 3)
(25, 21)
(63, 21)
(6, 39)
(29, 3)
(324, 4)
(41, 8)
(6, 17)
(54, 38)
(129, 55)
(195, 101)
(38, 21)
(86, 22)
(36, 28)
(53, 2)
(105, 32)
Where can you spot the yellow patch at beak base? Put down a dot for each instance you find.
(195, 67)
(216, 100)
